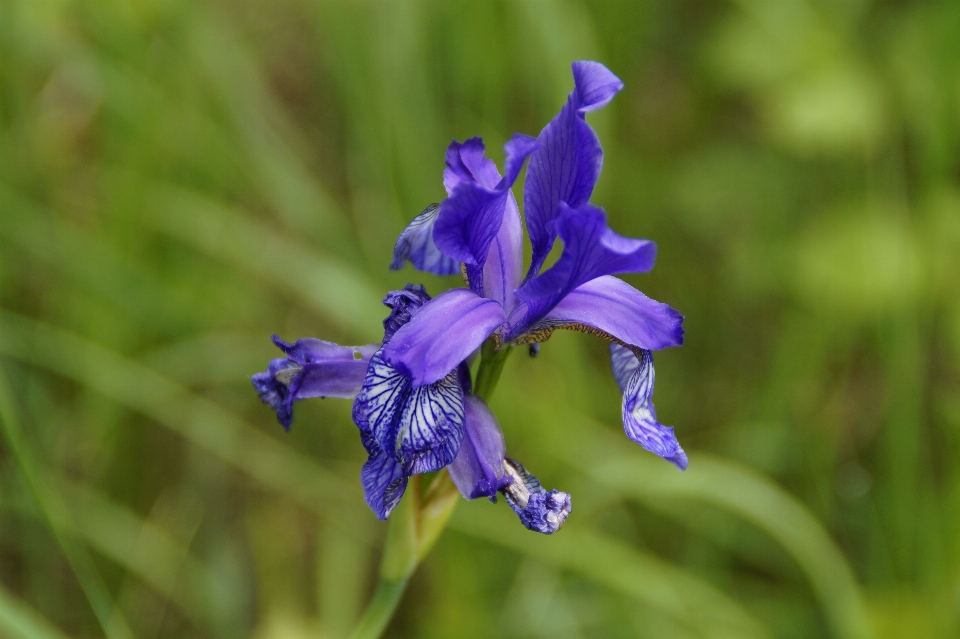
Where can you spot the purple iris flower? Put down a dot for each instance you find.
(413, 402)
(479, 226)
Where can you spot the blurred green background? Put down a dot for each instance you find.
(179, 180)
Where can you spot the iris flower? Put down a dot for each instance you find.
(413, 401)
(479, 226)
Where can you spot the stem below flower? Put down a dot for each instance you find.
(417, 523)
(380, 610)
(491, 365)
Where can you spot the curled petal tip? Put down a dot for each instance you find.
(273, 387)
(311, 368)
(678, 459)
(403, 304)
(635, 375)
(539, 510)
(595, 85)
(416, 245)
(384, 483)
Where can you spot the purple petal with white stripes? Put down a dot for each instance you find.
(421, 428)
(566, 166)
(639, 417)
(539, 510)
(383, 482)
(417, 246)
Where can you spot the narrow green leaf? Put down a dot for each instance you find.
(740, 490)
(615, 565)
(18, 620)
(199, 420)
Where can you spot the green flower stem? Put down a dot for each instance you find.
(491, 365)
(416, 524)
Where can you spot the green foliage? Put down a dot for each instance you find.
(179, 180)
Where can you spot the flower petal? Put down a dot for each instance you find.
(471, 217)
(273, 387)
(594, 85)
(383, 482)
(591, 249)
(468, 221)
(416, 245)
(421, 428)
(312, 368)
(566, 166)
(430, 429)
(442, 334)
(538, 510)
(613, 309)
(403, 304)
(478, 470)
(639, 416)
(504, 264)
(467, 162)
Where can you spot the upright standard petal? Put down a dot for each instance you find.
(421, 428)
(611, 308)
(312, 368)
(417, 246)
(471, 218)
(591, 249)
(635, 375)
(467, 162)
(504, 265)
(478, 470)
(539, 510)
(594, 85)
(442, 334)
(567, 165)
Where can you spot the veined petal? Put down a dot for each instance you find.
(312, 368)
(430, 429)
(516, 151)
(273, 387)
(383, 482)
(591, 249)
(403, 304)
(566, 166)
(468, 221)
(624, 364)
(639, 416)
(442, 334)
(416, 245)
(613, 309)
(594, 85)
(539, 510)
(478, 470)
(467, 162)
(421, 428)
